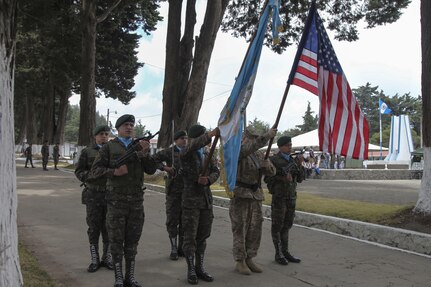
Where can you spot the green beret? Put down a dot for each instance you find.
(103, 128)
(196, 130)
(179, 134)
(124, 119)
(284, 140)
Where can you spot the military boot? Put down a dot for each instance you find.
(191, 272)
(242, 267)
(253, 266)
(107, 257)
(287, 255)
(95, 261)
(130, 280)
(200, 270)
(279, 257)
(118, 272)
(174, 248)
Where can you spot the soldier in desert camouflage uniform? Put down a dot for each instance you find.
(174, 189)
(282, 186)
(246, 205)
(197, 199)
(93, 196)
(124, 196)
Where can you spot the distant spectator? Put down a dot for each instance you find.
(56, 155)
(29, 156)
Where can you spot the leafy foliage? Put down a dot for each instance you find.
(310, 122)
(71, 129)
(342, 16)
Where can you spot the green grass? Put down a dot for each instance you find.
(33, 275)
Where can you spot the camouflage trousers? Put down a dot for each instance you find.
(96, 216)
(124, 221)
(44, 161)
(197, 225)
(282, 215)
(246, 218)
(173, 214)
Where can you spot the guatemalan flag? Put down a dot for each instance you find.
(231, 117)
(343, 128)
(383, 107)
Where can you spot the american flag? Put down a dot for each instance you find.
(343, 129)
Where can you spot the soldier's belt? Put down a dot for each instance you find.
(96, 187)
(253, 187)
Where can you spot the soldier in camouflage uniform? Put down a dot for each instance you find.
(29, 155)
(282, 186)
(124, 196)
(93, 196)
(174, 189)
(56, 155)
(197, 210)
(245, 208)
(45, 155)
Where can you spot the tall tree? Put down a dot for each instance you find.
(10, 271)
(309, 122)
(423, 204)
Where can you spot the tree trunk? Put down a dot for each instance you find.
(10, 272)
(61, 116)
(48, 112)
(423, 204)
(187, 95)
(30, 119)
(87, 103)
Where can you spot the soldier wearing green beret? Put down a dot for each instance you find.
(282, 186)
(93, 196)
(124, 196)
(174, 188)
(197, 212)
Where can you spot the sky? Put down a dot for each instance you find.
(386, 56)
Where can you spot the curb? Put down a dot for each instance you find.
(394, 237)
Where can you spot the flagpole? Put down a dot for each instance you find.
(380, 120)
(277, 120)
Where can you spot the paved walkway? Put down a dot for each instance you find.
(51, 222)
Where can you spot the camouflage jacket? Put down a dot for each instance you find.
(279, 185)
(56, 152)
(249, 170)
(196, 195)
(83, 167)
(128, 186)
(45, 151)
(173, 184)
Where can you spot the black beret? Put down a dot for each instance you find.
(124, 119)
(196, 130)
(103, 128)
(284, 140)
(179, 134)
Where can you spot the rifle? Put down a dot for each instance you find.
(133, 149)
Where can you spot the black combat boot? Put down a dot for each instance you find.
(130, 280)
(285, 250)
(95, 261)
(279, 257)
(191, 272)
(107, 257)
(200, 270)
(118, 272)
(174, 248)
(180, 246)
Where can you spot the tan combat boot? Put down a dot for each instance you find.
(242, 267)
(253, 266)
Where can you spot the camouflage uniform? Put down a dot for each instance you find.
(29, 156)
(56, 155)
(93, 196)
(174, 188)
(124, 196)
(45, 155)
(283, 200)
(246, 205)
(197, 201)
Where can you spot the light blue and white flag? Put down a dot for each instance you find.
(384, 109)
(231, 117)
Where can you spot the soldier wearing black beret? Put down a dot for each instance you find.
(282, 186)
(93, 196)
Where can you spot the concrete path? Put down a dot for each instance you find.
(51, 222)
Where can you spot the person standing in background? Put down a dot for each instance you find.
(29, 156)
(45, 155)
